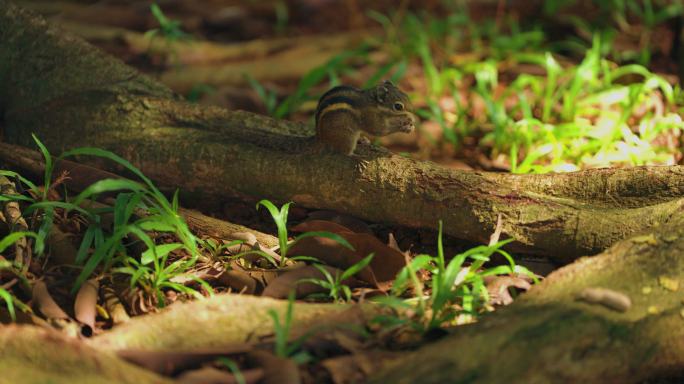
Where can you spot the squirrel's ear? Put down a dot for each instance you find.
(381, 92)
(387, 83)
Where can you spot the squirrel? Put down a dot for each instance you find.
(344, 112)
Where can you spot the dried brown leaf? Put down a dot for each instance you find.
(238, 280)
(277, 370)
(498, 286)
(356, 368)
(210, 375)
(171, 362)
(384, 266)
(321, 225)
(280, 287)
(84, 306)
(349, 222)
(45, 303)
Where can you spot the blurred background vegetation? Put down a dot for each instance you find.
(519, 86)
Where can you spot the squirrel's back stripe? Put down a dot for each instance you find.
(342, 95)
(330, 108)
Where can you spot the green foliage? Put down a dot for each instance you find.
(162, 217)
(215, 249)
(267, 96)
(285, 348)
(5, 294)
(595, 123)
(170, 29)
(234, 369)
(585, 115)
(13, 237)
(172, 33)
(280, 218)
(336, 290)
(624, 17)
(330, 71)
(282, 16)
(107, 248)
(197, 91)
(455, 289)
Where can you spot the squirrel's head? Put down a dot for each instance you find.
(395, 107)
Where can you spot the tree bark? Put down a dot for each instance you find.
(35, 355)
(548, 336)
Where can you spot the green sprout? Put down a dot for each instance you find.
(280, 218)
(336, 290)
(455, 290)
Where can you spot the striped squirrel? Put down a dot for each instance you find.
(344, 112)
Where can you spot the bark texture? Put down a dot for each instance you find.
(222, 320)
(548, 336)
(35, 355)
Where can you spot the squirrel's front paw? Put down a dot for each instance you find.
(364, 140)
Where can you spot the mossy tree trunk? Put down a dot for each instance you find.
(548, 336)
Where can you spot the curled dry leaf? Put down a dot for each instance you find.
(356, 368)
(498, 286)
(248, 237)
(351, 223)
(171, 362)
(249, 241)
(277, 370)
(45, 303)
(238, 280)
(210, 375)
(335, 341)
(280, 287)
(254, 257)
(269, 251)
(84, 306)
(261, 276)
(52, 312)
(384, 266)
(392, 243)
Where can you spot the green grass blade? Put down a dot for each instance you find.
(13, 237)
(107, 185)
(354, 269)
(20, 177)
(9, 300)
(88, 238)
(158, 252)
(48, 165)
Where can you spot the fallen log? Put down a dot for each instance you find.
(550, 336)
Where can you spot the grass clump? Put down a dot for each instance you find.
(139, 209)
(455, 292)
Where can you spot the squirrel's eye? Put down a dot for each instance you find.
(398, 106)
